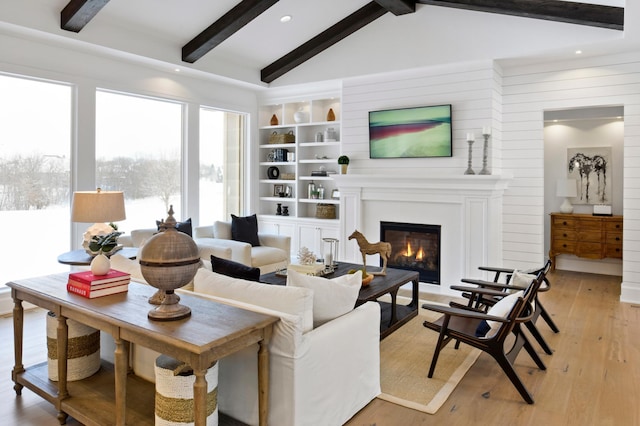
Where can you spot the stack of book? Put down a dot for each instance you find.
(88, 285)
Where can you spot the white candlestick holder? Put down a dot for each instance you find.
(469, 170)
(485, 170)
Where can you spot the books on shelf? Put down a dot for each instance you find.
(86, 284)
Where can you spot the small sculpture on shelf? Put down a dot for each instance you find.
(274, 120)
(331, 116)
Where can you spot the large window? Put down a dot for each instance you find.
(222, 136)
(35, 147)
(138, 151)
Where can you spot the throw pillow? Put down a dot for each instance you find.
(234, 269)
(184, 227)
(501, 309)
(245, 229)
(331, 297)
(521, 279)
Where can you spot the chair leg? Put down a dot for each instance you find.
(441, 343)
(547, 318)
(536, 334)
(508, 369)
(532, 353)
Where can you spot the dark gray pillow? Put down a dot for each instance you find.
(184, 227)
(234, 269)
(245, 229)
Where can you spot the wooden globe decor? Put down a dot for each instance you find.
(169, 260)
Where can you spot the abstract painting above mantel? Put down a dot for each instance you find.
(591, 167)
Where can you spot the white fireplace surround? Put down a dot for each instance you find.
(468, 208)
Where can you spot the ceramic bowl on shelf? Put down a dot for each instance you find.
(300, 116)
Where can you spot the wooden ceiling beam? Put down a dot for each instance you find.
(398, 7)
(593, 15)
(77, 13)
(236, 18)
(352, 23)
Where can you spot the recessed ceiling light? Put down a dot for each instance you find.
(285, 18)
(176, 69)
(578, 52)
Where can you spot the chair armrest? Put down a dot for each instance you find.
(282, 242)
(491, 292)
(491, 284)
(458, 312)
(203, 231)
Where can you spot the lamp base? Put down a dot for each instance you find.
(566, 206)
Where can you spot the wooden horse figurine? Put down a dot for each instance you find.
(381, 248)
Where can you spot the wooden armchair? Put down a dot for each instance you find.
(464, 323)
(495, 291)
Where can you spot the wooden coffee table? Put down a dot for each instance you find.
(393, 315)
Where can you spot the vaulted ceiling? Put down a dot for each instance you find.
(245, 40)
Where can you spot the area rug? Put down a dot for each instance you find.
(405, 357)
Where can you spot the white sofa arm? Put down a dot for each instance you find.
(240, 252)
(283, 242)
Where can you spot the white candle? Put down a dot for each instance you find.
(328, 259)
(471, 137)
(486, 130)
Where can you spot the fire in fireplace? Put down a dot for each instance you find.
(415, 247)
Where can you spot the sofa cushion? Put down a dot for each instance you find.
(265, 255)
(184, 227)
(234, 269)
(290, 300)
(331, 297)
(245, 229)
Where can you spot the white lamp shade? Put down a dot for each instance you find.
(567, 188)
(98, 206)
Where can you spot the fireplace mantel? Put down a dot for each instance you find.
(442, 183)
(468, 207)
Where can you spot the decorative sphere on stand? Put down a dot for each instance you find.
(169, 260)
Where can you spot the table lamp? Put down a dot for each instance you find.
(566, 188)
(97, 207)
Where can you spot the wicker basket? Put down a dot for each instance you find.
(174, 393)
(83, 349)
(326, 211)
(282, 137)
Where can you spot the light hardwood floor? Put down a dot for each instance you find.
(591, 379)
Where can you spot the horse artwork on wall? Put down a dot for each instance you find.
(381, 248)
(591, 167)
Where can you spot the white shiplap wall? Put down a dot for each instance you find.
(472, 89)
(530, 90)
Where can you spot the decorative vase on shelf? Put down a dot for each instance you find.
(331, 116)
(274, 120)
(300, 116)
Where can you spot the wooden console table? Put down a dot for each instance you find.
(213, 330)
(585, 235)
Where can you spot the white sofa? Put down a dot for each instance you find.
(272, 254)
(319, 375)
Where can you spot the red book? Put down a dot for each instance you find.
(98, 286)
(87, 277)
(90, 293)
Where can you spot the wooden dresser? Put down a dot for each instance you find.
(585, 235)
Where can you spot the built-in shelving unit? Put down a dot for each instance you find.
(287, 166)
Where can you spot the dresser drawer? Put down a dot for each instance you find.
(590, 235)
(613, 250)
(612, 225)
(589, 250)
(564, 246)
(564, 234)
(563, 223)
(613, 238)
